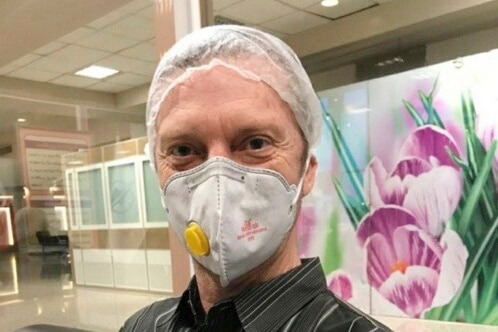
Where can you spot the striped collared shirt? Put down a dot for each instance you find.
(295, 301)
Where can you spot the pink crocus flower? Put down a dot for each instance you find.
(306, 223)
(409, 267)
(425, 180)
(340, 284)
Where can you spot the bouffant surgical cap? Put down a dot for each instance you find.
(253, 54)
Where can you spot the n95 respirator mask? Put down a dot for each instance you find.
(230, 217)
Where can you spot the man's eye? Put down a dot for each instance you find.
(257, 143)
(182, 151)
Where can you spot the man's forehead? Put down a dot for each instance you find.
(218, 84)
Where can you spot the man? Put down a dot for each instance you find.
(231, 118)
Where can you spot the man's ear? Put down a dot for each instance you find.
(309, 177)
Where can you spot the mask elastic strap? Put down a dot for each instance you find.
(301, 181)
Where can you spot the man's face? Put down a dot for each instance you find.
(219, 113)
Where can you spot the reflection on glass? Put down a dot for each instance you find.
(91, 197)
(8, 278)
(6, 236)
(60, 212)
(154, 209)
(123, 194)
(71, 199)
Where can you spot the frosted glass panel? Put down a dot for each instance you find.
(123, 194)
(154, 208)
(72, 200)
(91, 197)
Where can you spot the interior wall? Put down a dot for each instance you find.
(471, 43)
(333, 78)
(444, 50)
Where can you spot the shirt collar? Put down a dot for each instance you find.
(190, 307)
(266, 306)
(271, 304)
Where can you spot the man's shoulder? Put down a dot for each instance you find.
(338, 315)
(155, 314)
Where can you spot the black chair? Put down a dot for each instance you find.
(46, 240)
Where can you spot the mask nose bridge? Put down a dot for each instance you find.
(216, 169)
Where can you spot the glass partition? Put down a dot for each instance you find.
(407, 174)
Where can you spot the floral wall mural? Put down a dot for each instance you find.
(405, 211)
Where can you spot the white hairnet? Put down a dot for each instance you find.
(252, 53)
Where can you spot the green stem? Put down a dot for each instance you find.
(468, 114)
(478, 259)
(345, 156)
(433, 116)
(468, 310)
(413, 113)
(332, 256)
(489, 293)
(353, 215)
(476, 191)
(492, 317)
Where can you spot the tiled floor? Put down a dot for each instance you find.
(44, 293)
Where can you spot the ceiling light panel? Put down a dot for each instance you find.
(97, 72)
(344, 8)
(329, 3)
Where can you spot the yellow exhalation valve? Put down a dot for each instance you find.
(196, 240)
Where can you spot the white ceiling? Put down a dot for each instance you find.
(124, 40)
(287, 17)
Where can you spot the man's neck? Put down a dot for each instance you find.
(285, 259)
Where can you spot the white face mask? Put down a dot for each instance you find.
(230, 217)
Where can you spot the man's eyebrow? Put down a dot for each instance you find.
(172, 135)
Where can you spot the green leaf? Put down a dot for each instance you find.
(431, 94)
(475, 192)
(456, 159)
(469, 114)
(492, 317)
(419, 121)
(478, 258)
(353, 214)
(475, 155)
(433, 116)
(489, 293)
(434, 313)
(468, 310)
(332, 257)
(345, 155)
